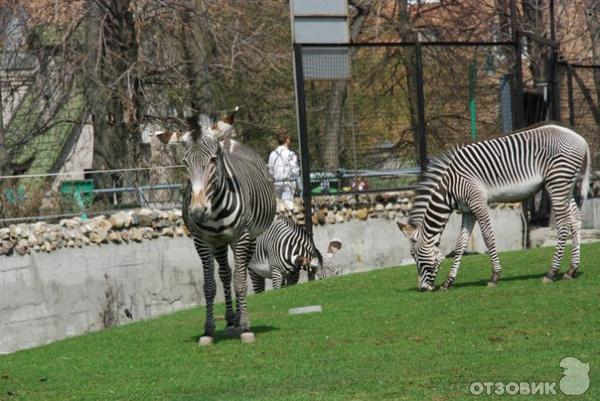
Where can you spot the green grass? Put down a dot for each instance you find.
(376, 339)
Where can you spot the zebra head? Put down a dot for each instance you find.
(310, 264)
(427, 255)
(321, 265)
(204, 162)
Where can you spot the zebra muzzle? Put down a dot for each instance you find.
(426, 288)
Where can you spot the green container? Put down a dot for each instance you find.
(81, 190)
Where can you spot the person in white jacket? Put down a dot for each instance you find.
(283, 167)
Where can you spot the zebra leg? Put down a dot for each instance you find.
(225, 276)
(210, 289)
(242, 251)
(258, 281)
(468, 222)
(575, 220)
(276, 278)
(293, 278)
(559, 192)
(482, 213)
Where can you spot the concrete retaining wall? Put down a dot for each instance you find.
(45, 297)
(590, 214)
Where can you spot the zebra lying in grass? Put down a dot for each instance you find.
(283, 250)
(507, 169)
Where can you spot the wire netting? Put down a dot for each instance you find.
(362, 131)
(583, 114)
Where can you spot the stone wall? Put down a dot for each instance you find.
(50, 294)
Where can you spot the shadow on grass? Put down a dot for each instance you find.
(483, 282)
(523, 277)
(220, 335)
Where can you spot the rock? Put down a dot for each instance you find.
(33, 240)
(391, 215)
(114, 237)
(98, 236)
(47, 246)
(405, 207)
(321, 217)
(69, 223)
(167, 232)
(121, 220)
(362, 214)
(162, 223)
(22, 247)
(102, 224)
(125, 235)
(136, 234)
(143, 217)
(70, 244)
(339, 218)
(330, 218)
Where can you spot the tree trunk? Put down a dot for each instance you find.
(4, 159)
(197, 46)
(407, 34)
(592, 15)
(533, 18)
(113, 87)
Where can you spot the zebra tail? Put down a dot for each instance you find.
(585, 182)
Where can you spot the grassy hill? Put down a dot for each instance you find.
(376, 339)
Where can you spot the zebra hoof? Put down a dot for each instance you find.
(248, 337)
(491, 284)
(232, 331)
(567, 276)
(547, 280)
(205, 340)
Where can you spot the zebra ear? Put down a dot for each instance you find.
(408, 229)
(172, 137)
(301, 261)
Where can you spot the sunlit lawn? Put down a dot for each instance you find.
(376, 339)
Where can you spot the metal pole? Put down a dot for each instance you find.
(421, 131)
(303, 137)
(570, 95)
(553, 81)
(518, 117)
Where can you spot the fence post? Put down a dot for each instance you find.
(518, 117)
(421, 130)
(303, 141)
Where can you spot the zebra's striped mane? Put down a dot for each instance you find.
(428, 185)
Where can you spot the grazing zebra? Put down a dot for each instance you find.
(283, 250)
(506, 169)
(228, 202)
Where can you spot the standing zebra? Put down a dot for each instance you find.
(506, 169)
(228, 202)
(283, 250)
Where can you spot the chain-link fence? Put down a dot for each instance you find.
(580, 87)
(368, 105)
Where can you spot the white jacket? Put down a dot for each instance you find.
(283, 164)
